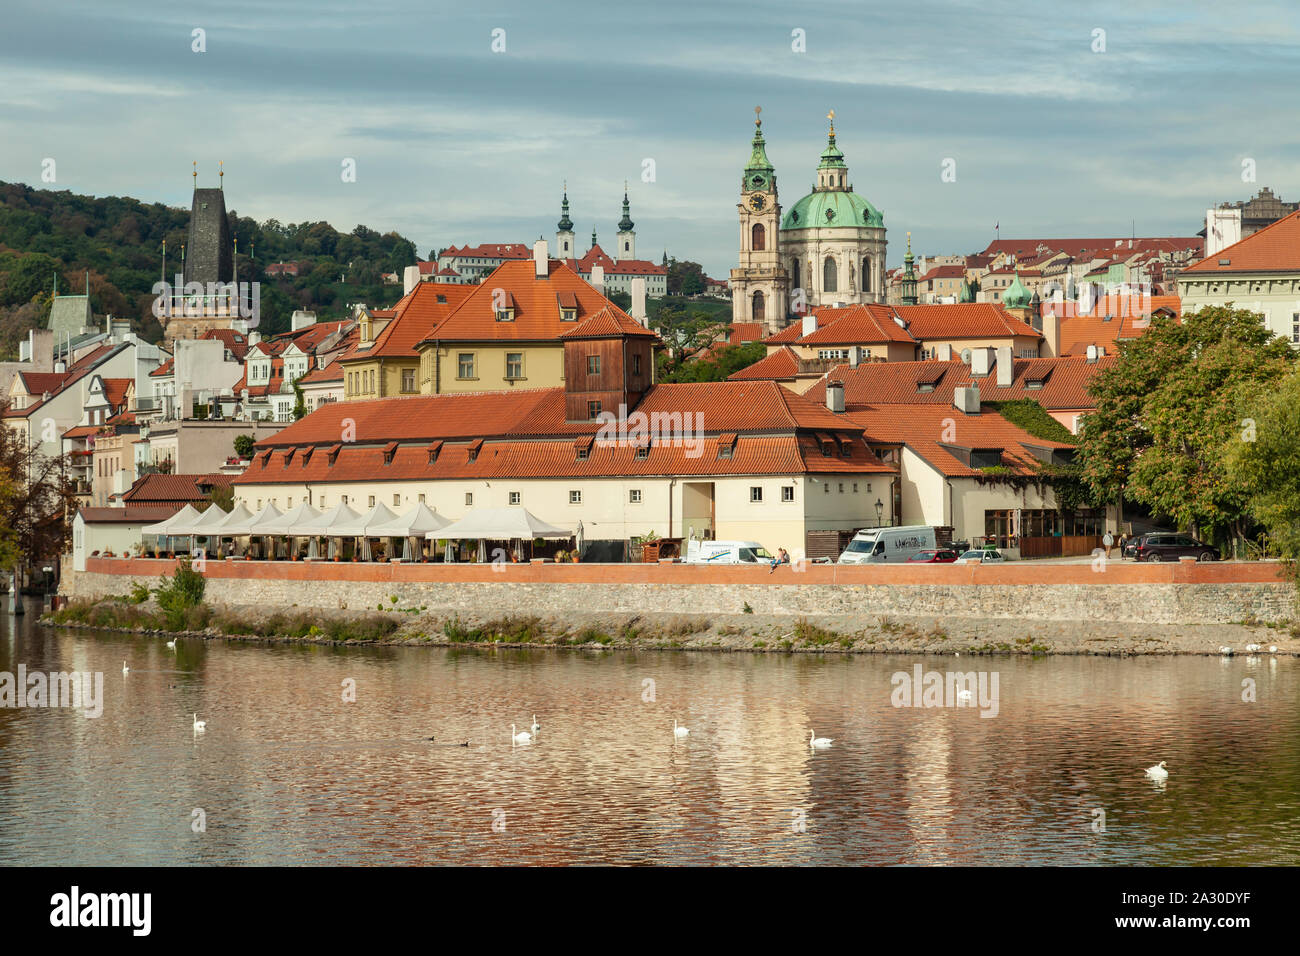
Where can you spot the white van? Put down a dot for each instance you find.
(727, 552)
(874, 545)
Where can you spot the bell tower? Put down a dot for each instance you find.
(760, 287)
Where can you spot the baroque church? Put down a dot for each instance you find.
(828, 248)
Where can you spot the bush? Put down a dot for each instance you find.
(184, 591)
(139, 593)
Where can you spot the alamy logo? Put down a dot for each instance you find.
(923, 688)
(193, 299)
(670, 429)
(103, 909)
(83, 691)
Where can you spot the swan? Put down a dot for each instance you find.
(125, 669)
(1225, 650)
(819, 743)
(523, 737)
(171, 645)
(536, 726)
(679, 731)
(1158, 772)
(1252, 648)
(1272, 648)
(199, 725)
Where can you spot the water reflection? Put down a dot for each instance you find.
(288, 772)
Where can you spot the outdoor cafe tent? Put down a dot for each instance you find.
(289, 523)
(185, 516)
(416, 523)
(357, 529)
(326, 525)
(236, 522)
(204, 523)
(240, 522)
(499, 524)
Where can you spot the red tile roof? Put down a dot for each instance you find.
(1078, 248)
(131, 514)
(857, 324)
(235, 342)
(923, 429)
(609, 322)
(173, 488)
(491, 250)
(962, 320)
(1275, 248)
(330, 373)
(738, 333)
(163, 370)
(782, 365)
(1063, 383)
(415, 317)
(1113, 319)
(115, 390)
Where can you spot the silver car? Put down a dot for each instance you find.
(980, 557)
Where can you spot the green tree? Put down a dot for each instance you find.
(244, 446)
(223, 496)
(720, 364)
(1263, 460)
(1168, 405)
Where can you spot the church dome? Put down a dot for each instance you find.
(831, 208)
(1016, 296)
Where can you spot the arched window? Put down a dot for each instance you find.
(830, 275)
(758, 313)
(758, 238)
(866, 283)
(794, 272)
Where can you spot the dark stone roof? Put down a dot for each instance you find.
(208, 250)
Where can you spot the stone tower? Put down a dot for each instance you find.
(626, 247)
(760, 287)
(566, 247)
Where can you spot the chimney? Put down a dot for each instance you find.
(1052, 334)
(967, 400)
(1092, 354)
(638, 302)
(809, 324)
(855, 356)
(410, 279)
(598, 278)
(835, 396)
(301, 319)
(1005, 369)
(541, 268)
(254, 338)
(979, 362)
(944, 352)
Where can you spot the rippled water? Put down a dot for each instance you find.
(287, 772)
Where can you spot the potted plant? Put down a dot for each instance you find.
(561, 555)
(650, 543)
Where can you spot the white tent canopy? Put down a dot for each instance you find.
(252, 524)
(289, 523)
(186, 516)
(379, 514)
(203, 524)
(327, 524)
(235, 523)
(499, 524)
(419, 521)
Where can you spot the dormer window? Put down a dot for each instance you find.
(985, 457)
(643, 453)
(506, 315)
(389, 451)
(433, 451)
(568, 315)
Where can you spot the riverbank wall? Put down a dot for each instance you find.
(1169, 593)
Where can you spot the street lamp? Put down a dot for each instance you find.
(880, 510)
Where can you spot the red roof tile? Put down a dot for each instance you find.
(173, 488)
(609, 322)
(782, 365)
(1275, 248)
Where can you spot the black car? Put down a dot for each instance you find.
(1169, 546)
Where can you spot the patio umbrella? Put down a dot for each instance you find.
(579, 537)
(406, 548)
(482, 550)
(365, 549)
(313, 548)
(334, 547)
(449, 556)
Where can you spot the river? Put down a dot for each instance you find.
(289, 772)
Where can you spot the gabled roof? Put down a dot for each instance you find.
(1275, 248)
(781, 366)
(416, 317)
(318, 376)
(163, 370)
(1113, 319)
(491, 250)
(235, 342)
(922, 428)
(174, 488)
(609, 322)
(962, 320)
(857, 324)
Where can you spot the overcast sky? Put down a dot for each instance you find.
(456, 143)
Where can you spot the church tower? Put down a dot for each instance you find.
(626, 248)
(760, 287)
(566, 248)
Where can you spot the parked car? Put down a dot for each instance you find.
(940, 556)
(727, 552)
(1169, 546)
(873, 545)
(986, 556)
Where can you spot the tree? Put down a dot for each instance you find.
(36, 499)
(223, 496)
(1263, 460)
(685, 277)
(244, 446)
(299, 403)
(1167, 407)
(720, 364)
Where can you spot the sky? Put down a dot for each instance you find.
(1058, 121)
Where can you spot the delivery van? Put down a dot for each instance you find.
(895, 545)
(727, 552)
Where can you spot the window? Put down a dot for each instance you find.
(855, 487)
(759, 307)
(505, 315)
(469, 499)
(514, 497)
(372, 501)
(289, 502)
(846, 450)
(787, 493)
(756, 493)
(583, 454)
(636, 359)
(1295, 328)
(575, 497)
(826, 488)
(830, 275)
(634, 496)
(643, 453)
(593, 410)
(420, 498)
(828, 449)
(465, 365)
(514, 365)
(726, 451)
(593, 364)
(397, 500)
(986, 458)
(568, 315)
(408, 380)
(758, 237)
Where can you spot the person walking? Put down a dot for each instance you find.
(1108, 540)
(1123, 543)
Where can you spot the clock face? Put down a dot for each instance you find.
(757, 203)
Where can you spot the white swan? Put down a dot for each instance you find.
(679, 731)
(819, 743)
(1225, 650)
(199, 725)
(1272, 648)
(125, 669)
(1158, 772)
(536, 726)
(523, 737)
(171, 645)
(1252, 648)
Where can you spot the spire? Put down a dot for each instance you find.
(758, 172)
(565, 224)
(832, 158)
(907, 287)
(195, 174)
(221, 175)
(625, 224)
(593, 236)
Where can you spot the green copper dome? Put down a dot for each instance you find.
(1016, 296)
(759, 170)
(832, 207)
(832, 158)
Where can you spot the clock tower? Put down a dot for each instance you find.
(760, 287)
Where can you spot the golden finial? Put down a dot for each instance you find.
(758, 116)
(831, 116)
(195, 174)
(220, 174)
